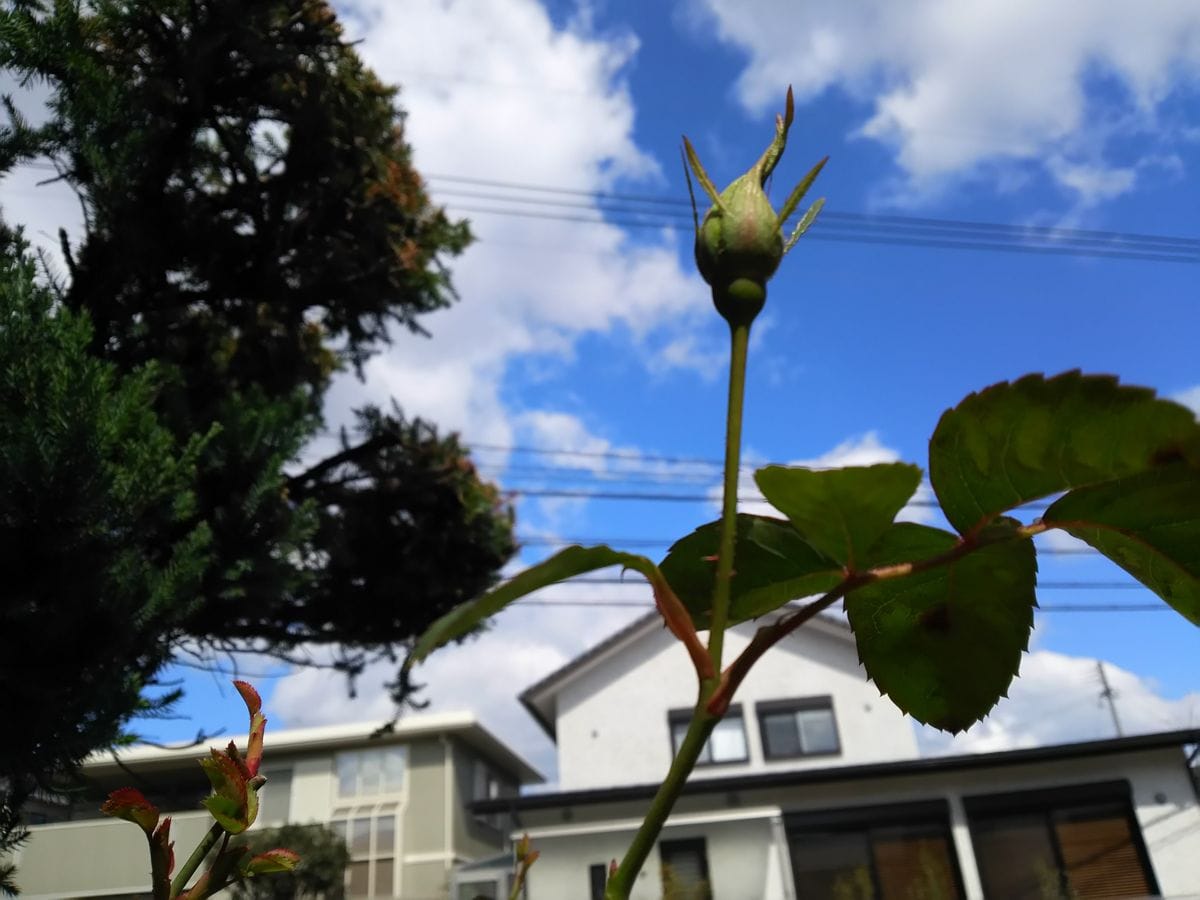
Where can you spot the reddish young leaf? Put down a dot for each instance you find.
(258, 725)
(233, 753)
(250, 695)
(162, 858)
(130, 804)
(162, 839)
(254, 747)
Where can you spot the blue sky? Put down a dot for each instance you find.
(597, 338)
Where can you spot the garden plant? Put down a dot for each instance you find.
(940, 617)
(233, 803)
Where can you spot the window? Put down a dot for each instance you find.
(597, 878)
(801, 727)
(1080, 842)
(370, 835)
(367, 773)
(275, 798)
(477, 890)
(684, 867)
(486, 782)
(877, 853)
(726, 744)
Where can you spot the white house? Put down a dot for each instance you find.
(813, 788)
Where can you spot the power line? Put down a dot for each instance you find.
(897, 239)
(661, 211)
(859, 226)
(1047, 585)
(658, 211)
(567, 602)
(675, 497)
(603, 454)
(849, 217)
(544, 541)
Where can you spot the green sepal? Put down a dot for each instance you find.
(944, 644)
(1019, 441)
(1148, 524)
(773, 565)
(841, 512)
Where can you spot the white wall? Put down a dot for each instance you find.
(1163, 798)
(740, 848)
(313, 784)
(612, 716)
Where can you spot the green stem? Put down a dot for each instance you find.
(703, 721)
(739, 350)
(202, 850)
(621, 883)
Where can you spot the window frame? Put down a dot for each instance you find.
(359, 796)
(982, 809)
(684, 716)
(866, 819)
(765, 708)
(687, 845)
(597, 880)
(375, 853)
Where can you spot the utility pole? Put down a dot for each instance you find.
(1110, 695)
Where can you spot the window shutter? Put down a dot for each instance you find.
(1100, 858)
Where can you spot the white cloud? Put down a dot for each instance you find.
(959, 86)
(1058, 541)
(1190, 398)
(690, 352)
(524, 644)
(33, 199)
(1092, 183)
(1056, 699)
(497, 91)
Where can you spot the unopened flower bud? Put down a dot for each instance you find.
(740, 244)
(524, 848)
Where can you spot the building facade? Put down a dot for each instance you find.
(400, 799)
(813, 789)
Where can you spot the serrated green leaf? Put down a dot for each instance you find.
(1148, 524)
(841, 512)
(233, 802)
(944, 644)
(1017, 441)
(565, 564)
(772, 565)
(226, 811)
(270, 862)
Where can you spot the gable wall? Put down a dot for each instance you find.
(612, 717)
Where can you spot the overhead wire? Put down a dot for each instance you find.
(677, 497)
(836, 216)
(1050, 585)
(575, 603)
(628, 210)
(549, 541)
(536, 201)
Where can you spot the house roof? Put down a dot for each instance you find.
(539, 698)
(332, 738)
(921, 766)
